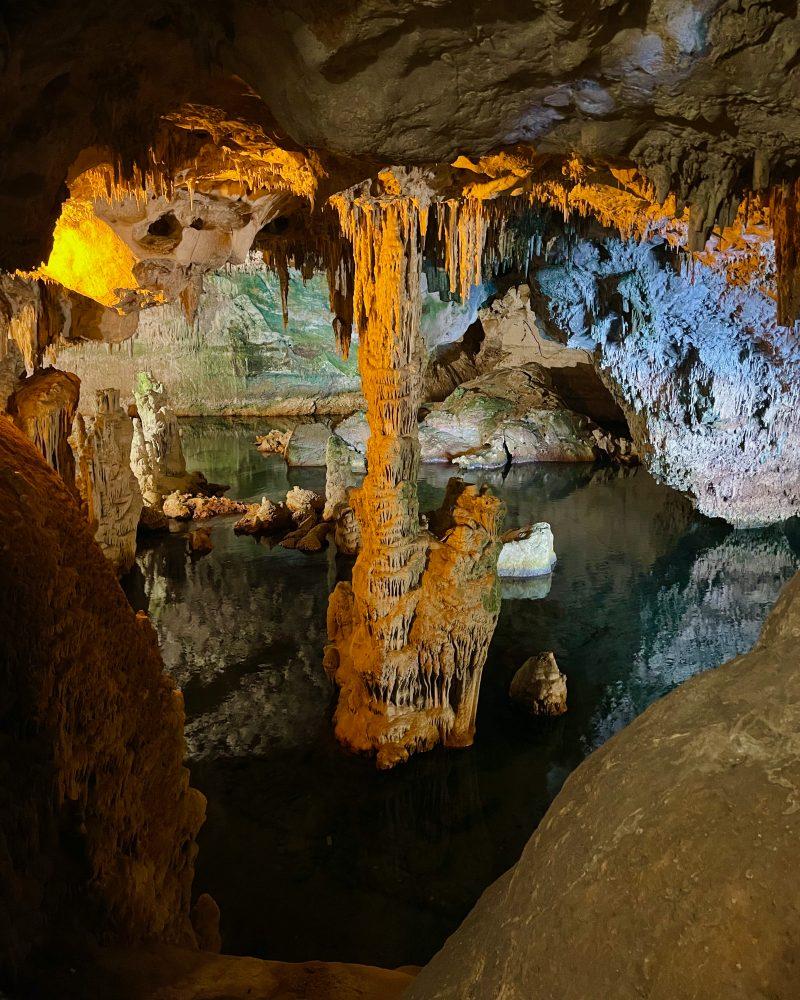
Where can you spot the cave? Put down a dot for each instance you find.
(399, 499)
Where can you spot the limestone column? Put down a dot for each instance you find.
(408, 672)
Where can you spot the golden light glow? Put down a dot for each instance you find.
(88, 256)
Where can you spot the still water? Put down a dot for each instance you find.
(313, 854)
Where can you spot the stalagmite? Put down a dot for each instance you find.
(156, 454)
(43, 408)
(410, 636)
(105, 480)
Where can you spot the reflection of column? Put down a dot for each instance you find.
(409, 637)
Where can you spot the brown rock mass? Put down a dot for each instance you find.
(97, 819)
(109, 490)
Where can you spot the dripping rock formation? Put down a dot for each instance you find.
(156, 454)
(706, 377)
(408, 659)
(43, 407)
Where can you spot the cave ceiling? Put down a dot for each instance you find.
(183, 131)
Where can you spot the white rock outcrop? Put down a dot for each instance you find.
(527, 552)
(709, 382)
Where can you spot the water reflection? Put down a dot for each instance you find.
(309, 851)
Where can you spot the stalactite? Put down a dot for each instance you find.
(785, 212)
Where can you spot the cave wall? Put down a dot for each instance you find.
(97, 819)
(235, 356)
(707, 379)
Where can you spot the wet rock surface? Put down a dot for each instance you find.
(527, 552)
(71, 639)
(707, 379)
(109, 490)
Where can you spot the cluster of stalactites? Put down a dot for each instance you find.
(326, 252)
(785, 211)
(32, 315)
(240, 159)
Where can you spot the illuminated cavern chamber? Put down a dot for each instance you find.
(664, 252)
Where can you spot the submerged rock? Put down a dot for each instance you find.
(200, 541)
(152, 521)
(539, 686)
(531, 588)
(315, 539)
(527, 552)
(294, 522)
(175, 506)
(266, 518)
(185, 507)
(273, 442)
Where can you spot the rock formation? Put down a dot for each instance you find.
(527, 552)
(156, 453)
(236, 355)
(108, 488)
(43, 407)
(341, 472)
(273, 442)
(706, 377)
(97, 820)
(409, 636)
(637, 166)
(200, 544)
(513, 415)
(539, 687)
(409, 667)
(185, 507)
(658, 832)
(306, 445)
(296, 522)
